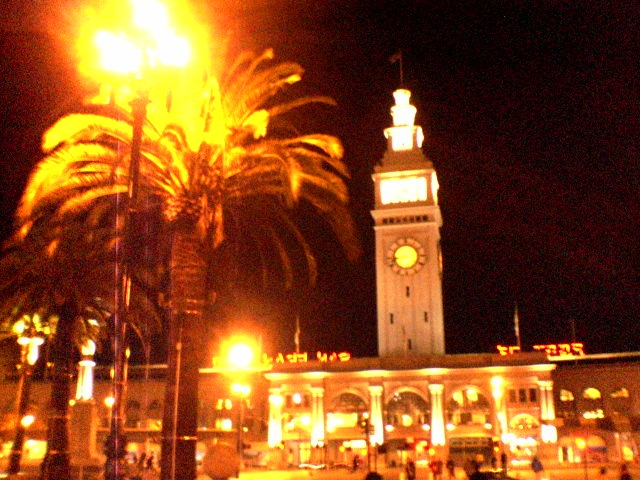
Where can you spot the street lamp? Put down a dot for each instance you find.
(29, 340)
(581, 443)
(242, 391)
(137, 51)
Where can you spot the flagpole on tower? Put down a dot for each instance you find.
(516, 325)
(296, 336)
(398, 58)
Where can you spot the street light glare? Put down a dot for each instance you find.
(152, 42)
(117, 54)
(150, 16)
(240, 355)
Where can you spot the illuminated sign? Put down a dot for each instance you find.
(507, 349)
(575, 349)
(403, 190)
(562, 349)
(304, 357)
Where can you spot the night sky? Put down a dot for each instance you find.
(530, 111)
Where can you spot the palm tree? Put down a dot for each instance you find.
(229, 176)
(55, 269)
(36, 278)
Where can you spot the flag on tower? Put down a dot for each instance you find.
(516, 324)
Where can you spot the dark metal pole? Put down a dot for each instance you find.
(116, 441)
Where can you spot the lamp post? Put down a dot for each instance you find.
(581, 443)
(242, 391)
(149, 43)
(29, 342)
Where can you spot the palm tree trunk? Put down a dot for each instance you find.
(56, 463)
(180, 416)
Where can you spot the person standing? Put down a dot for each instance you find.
(536, 466)
(410, 470)
(624, 472)
(436, 468)
(451, 468)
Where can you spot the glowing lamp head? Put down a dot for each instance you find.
(240, 389)
(153, 42)
(240, 355)
(27, 421)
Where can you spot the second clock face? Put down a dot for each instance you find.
(406, 256)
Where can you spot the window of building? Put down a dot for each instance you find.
(391, 318)
(522, 395)
(344, 411)
(468, 407)
(591, 394)
(620, 393)
(523, 422)
(533, 395)
(566, 396)
(512, 396)
(407, 409)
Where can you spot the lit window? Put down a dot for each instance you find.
(566, 396)
(591, 394)
(403, 190)
(523, 422)
(620, 393)
(472, 395)
(522, 395)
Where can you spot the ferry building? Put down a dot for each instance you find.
(413, 400)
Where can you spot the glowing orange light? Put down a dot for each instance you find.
(152, 42)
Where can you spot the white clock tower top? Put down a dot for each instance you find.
(404, 135)
(405, 175)
(407, 227)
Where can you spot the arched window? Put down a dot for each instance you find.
(591, 394)
(523, 422)
(407, 409)
(566, 396)
(468, 406)
(344, 411)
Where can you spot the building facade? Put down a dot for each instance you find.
(412, 401)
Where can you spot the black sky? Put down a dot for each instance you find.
(530, 111)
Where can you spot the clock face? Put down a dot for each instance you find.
(406, 256)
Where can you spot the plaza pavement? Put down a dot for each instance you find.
(557, 473)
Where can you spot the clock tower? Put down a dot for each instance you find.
(407, 228)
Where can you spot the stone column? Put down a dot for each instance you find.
(274, 434)
(83, 421)
(438, 437)
(500, 426)
(547, 409)
(548, 431)
(376, 420)
(317, 416)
